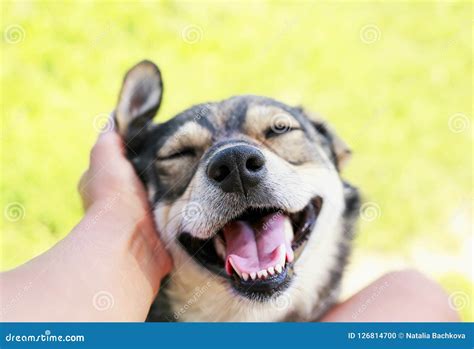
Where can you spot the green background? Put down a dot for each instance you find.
(394, 78)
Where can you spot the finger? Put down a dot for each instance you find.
(110, 125)
(109, 146)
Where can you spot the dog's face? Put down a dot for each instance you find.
(237, 186)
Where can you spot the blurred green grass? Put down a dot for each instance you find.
(390, 76)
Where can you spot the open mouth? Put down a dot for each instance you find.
(256, 251)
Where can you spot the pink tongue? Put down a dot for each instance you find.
(258, 246)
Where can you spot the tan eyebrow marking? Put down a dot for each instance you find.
(189, 135)
(260, 118)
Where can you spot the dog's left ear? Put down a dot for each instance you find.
(139, 99)
(337, 149)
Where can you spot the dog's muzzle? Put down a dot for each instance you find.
(254, 250)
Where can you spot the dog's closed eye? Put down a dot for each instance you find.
(178, 154)
(188, 142)
(278, 130)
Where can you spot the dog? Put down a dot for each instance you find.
(248, 199)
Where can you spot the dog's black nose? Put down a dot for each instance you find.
(237, 168)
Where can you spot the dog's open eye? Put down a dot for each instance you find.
(186, 152)
(278, 130)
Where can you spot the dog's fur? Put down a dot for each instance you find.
(171, 159)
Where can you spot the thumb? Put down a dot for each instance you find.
(109, 144)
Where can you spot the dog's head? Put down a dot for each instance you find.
(236, 186)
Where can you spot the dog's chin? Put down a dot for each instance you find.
(255, 252)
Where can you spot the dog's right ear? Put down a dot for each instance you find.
(139, 99)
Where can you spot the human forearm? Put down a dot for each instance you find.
(107, 269)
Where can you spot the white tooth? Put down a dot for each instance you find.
(282, 254)
(264, 273)
(245, 276)
(289, 235)
(278, 268)
(235, 268)
(259, 274)
(271, 271)
(253, 275)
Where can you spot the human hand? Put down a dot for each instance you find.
(111, 190)
(113, 251)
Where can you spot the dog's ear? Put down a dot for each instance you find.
(337, 149)
(139, 99)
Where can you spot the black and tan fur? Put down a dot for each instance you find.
(303, 157)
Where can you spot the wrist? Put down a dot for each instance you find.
(130, 231)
